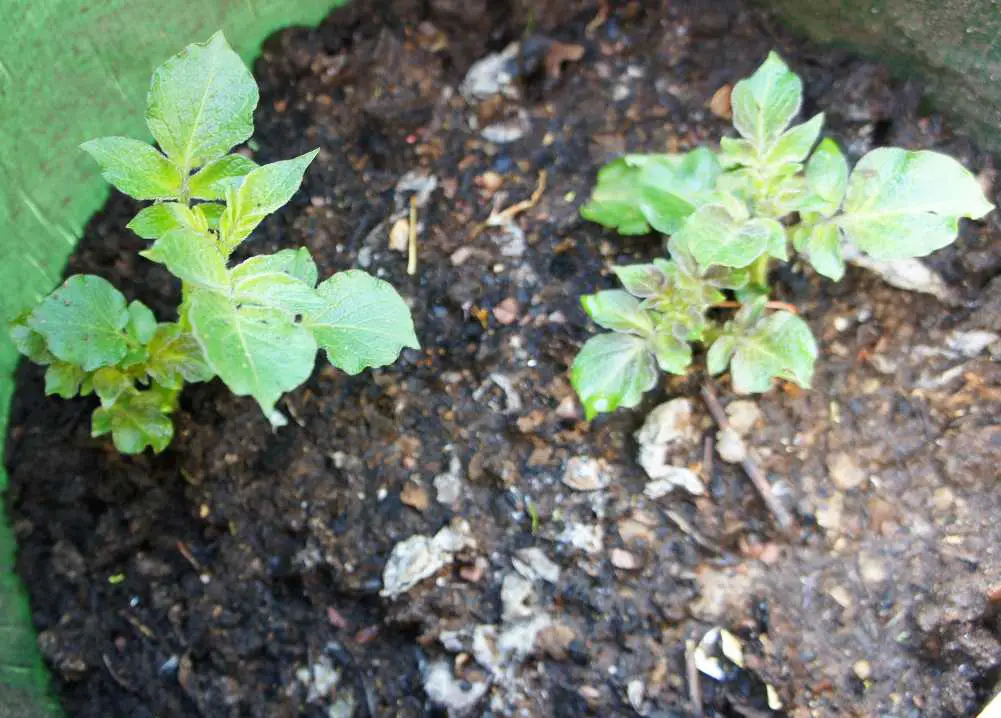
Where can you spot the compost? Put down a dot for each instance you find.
(239, 572)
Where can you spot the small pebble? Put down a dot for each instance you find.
(415, 496)
(844, 472)
(720, 105)
(743, 415)
(626, 560)
(730, 446)
(399, 235)
(490, 181)
(862, 669)
(872, 568)
(584, 473)
(634, 692)
(507, 311)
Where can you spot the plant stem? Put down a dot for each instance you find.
(759, 271)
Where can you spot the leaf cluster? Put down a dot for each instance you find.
(771, 190)
(256, 325)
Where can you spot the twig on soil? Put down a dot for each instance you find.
(189, 557)
(412, 244)
(598, 19)
(118, 679)
(751, 468)
(506, 216)
(144, 630)
(694, 686)
(729, 304)
(707, 459)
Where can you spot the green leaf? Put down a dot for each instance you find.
(795, 144)
(63, 379)
(903, 204)
(111, 383)
(175, 357)
(212, 180)
(719, 354)
(277, 291)
(364, 323)
(255, 351)
(822, 246)
(29, 342)
(613, 370)
(156, 220)
(83, 321)
(619, 311)
(765, 103)
(641, 280)
(263, 191)
(210, 213)
(191, 257)
(201, 103)
(827, 176)
(637, 192)
(294, 262)
(713, 236)
(135, 421)
(673, 355)
(142, 323)
(779, 345)
(736, 152)
(135, 168)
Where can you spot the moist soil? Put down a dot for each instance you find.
(239, 572)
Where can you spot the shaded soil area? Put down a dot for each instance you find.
(239, 573)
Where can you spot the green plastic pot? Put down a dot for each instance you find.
(71, 71)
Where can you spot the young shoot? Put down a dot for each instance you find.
(256, 325)
(730, 216)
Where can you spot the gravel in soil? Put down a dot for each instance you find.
(239, 573)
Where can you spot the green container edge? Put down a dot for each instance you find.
(70, 72)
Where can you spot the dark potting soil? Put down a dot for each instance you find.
(238, 573)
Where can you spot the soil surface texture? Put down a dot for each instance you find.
(240, 573)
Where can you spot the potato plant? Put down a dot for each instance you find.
(256, 325)
(730, 215)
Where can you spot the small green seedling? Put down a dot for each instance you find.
(729, 216)
(257, 325)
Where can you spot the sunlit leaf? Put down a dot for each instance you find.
(192, 258)
(212, 180)
(256, 351)
(63, 379)
(822, 246)
(83, 322)
(903, 204)
(613, 370)
(135, 421)
(619, 311)
(364, 322)
(827, 176)
(135, 168)
(201, 103)
(637, 192)
(263, 191)
(176, 357)
(780, 345)
(765, 103)
(713, 236)
(156, 220)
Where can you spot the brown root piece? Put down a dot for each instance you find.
(751, 468)
(769, 305)
(506, 216)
